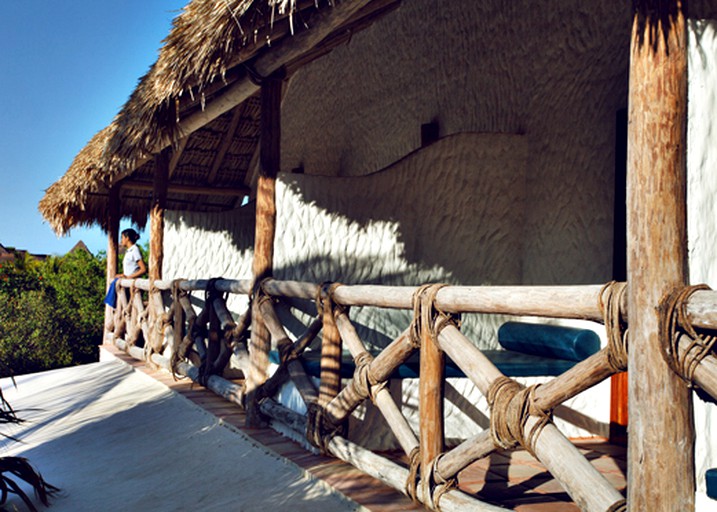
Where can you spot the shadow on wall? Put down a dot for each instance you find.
(451, 211)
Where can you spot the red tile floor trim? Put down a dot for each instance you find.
(510, 479)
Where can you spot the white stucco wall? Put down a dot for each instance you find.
(702, 211)
(544, 82)
(518, 190)
(556, 74)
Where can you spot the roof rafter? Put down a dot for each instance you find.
(225, 143)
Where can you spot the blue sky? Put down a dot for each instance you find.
(66, 68)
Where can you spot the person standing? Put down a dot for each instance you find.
(132, 264)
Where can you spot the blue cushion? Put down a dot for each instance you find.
(551, 341)
(711, 481)
(512, 364)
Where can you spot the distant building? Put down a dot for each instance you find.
(6, 254)
(10, 253)
(79, 246)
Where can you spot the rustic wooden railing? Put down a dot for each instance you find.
(200, 346)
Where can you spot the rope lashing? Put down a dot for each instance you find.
(364, 384)
(319, 430)
(427, 317)
(609, 300)
(674, 322)
(618, 506)
(325, 299)
(414, 468)
(511, 405)
(439, 485)
(180, 352)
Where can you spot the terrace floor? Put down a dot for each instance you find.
(514, 479)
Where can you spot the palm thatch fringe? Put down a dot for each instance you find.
(21, 468)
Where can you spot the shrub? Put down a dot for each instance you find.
(51, 313)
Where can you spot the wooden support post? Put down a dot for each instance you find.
(331, 348)
(270, 166)
(431, 390)
(178, 318)
(113, 222)
(120, 324)
(661, 424)
(265, 228)
(156, 215)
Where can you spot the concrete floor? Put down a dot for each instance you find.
(514, 480)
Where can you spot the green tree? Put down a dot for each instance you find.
(51, 312)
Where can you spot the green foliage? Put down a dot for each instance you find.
(51, 312)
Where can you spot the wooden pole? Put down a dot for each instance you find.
(156, 239)
(383, 399)
(156, 215)
(430, 387)
(575, 301)
(331, 348)
(661, 424)
(265, 227)
(113, 222)
(270, 166)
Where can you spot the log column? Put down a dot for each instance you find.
(430, 385)
(156, 215)
(660, 432)
(113, 222)
(265, 227)
(331, 349)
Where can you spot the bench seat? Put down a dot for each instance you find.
(529, 350)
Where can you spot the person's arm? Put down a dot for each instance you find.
(142, 268)
(140, 271)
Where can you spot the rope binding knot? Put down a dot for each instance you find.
(674, 324)
(511, 406)
(610, 301)
(428, 318)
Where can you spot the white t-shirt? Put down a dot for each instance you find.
(130, 263)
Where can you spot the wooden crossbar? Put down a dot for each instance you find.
(588, 488)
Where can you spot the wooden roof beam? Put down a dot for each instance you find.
(189, 189)
(171, 200)
(281, 53)
(225, 143)
(177, 155)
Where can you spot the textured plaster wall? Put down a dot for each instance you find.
(552, 77)
(452, 212)
(206, 245)
(556, 74)
(702, 208)
(519, 190)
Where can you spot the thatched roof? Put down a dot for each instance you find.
(189, 100)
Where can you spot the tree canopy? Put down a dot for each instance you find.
(51, 311)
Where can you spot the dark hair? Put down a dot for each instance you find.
(131, 234)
